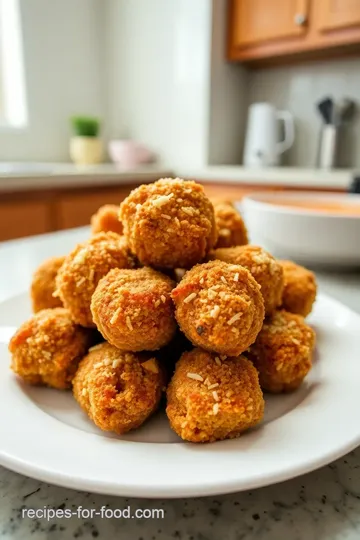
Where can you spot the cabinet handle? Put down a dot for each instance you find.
(300, 19)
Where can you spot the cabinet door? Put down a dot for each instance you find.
(75, 210)
(256, 21)
(23, 218)
(337, 14)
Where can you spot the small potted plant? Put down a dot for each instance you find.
(86, 148)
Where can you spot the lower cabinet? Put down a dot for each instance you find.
(22, 218)
(31, 213)
(27, 214)
(76, 210)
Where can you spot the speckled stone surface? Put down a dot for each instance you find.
(323, 505)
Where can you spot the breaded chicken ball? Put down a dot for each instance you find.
(231, 227)
(219, 307)
(47, 349)
(282, 352)
(266, 270)
(210, 400)
(133, 309)
(118, 390)
(169, 224)
(43, 285)
(84, 267)
(106, 219)
(300, 288)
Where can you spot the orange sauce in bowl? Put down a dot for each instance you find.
(327, 207)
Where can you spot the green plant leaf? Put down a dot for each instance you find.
(85, 126)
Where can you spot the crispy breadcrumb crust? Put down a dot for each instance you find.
(106, 219)
(230, 225)
(283, 351)
(224, 399)
(169, 224)
(133, 309)
(266, 270)
(47, 349)
(300, 288)
(43, 285)
(118, 390)
(219, 307)
(84, 267)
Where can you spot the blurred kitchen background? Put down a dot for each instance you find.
(239, 95)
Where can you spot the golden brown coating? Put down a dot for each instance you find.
(300, 288)
(43, 285)
(47, 349)
(84, 267)
(133, 309)
(231, 227)
(282, 352)
(219, 307)
(106, 219)
(118, 390)
(210, 400)
(264, 268)
(169, 224)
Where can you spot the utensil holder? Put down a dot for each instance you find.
(327, 154)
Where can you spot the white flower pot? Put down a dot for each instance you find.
(86, 150)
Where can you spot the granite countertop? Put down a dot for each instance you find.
(34, 176)
(323, 505)
(66, 175)
(282, 176)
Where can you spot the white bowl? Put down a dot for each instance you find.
(309, 236)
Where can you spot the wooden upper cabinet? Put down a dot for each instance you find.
(265, 32)
(257, 21)
(338, 14)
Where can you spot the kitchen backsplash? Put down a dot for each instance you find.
(298, 88)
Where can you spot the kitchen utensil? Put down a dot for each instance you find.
(346, 109)
(262, 145)
(334, 114)
(306, 234)
(327, 148)
(355, 185)
(45, 435)
(325, 107)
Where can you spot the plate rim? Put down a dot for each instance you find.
(20, 465)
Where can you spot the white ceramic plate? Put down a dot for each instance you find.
(307, 236)
(45, 435)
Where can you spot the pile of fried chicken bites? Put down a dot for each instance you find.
(168, 298)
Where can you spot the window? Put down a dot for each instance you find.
(13, 111)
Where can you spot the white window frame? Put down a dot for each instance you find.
(13, 107)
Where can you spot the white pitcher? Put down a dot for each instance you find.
(262, 145)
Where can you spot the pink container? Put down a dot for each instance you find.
(129, 153)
